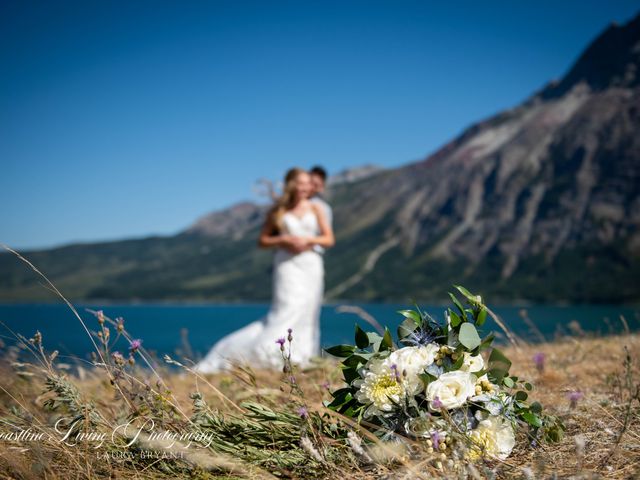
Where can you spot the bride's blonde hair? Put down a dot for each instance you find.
(285, 201)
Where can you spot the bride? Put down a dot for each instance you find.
(294, 225)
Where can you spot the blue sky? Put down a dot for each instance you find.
(130, 118)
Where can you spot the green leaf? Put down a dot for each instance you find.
(468, 336)
(532, 419)
(535, 407)
(340, 350)
(405, 329)
(471, 298)
(482, 317)
(521, 395)
(387, 341)
(362, 339)
(350, 374)
(554, 429)
(457, 303)
(508, 382)
(427, 378)
(458, 363)
(465, 292)
(412, 314)
(354, 360)
(528, 386)
(499, 366)
(455, 318)
(486, 341)
(340, 397)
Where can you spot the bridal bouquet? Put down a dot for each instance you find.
(436, 385)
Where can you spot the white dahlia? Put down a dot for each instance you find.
(493, 437)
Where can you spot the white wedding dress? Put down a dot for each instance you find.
(298, 289)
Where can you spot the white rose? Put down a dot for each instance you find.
(410, 362)
(493, 437)
(471, 363)
(452, 389)
(413, 359)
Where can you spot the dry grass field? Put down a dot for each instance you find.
(266, 424)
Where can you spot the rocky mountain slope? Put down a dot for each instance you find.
(541, 202)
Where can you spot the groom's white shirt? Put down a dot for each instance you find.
(328, 213)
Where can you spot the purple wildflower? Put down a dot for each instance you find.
(326, 385)
(574, 397)
(435, 438)
(538, 359)
(302, 411)
(280, 342)
(436, 403)
(135, 345)
(289, 336)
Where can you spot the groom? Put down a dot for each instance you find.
(318, 179)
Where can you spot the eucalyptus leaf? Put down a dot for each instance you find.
(468, 336)
(373, 337)
(535, 407)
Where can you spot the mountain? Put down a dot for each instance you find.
(539, 202)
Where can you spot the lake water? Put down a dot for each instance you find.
(164, 328)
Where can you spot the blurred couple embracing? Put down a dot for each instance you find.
(299, 227)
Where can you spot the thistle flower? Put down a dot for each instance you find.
(289, 336)
(134, 346)
(538, 360)
(118, 358)
(281, 342)
(574, 397)
(302, 411)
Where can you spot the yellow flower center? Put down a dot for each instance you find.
(483, 443)
(385, 387)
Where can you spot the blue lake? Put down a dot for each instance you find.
(164, 328)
